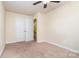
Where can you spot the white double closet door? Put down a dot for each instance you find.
(24, 29)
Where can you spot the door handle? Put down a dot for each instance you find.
(25, 31)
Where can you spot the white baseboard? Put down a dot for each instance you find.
(39, 41)
(2, 50)
(61, 46)
(15, 41)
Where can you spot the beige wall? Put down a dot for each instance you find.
(12, 19)
(2, 17)
(41, 32)
(60, 26)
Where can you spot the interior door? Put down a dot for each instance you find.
(29, 28)
(20, 27)
(24, 29)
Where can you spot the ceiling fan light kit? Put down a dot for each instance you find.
(45, 3)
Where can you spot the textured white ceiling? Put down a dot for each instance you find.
(27, 7)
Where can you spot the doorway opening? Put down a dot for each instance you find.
(35, 29)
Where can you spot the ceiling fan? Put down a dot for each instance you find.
(45, 3)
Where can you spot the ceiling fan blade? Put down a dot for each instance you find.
(55, 1)
(37, 2)
(45, 5)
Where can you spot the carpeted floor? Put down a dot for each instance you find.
(35, 50)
